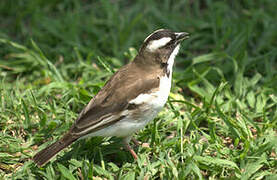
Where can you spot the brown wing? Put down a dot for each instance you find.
(124, 85)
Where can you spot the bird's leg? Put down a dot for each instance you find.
(137, 143)
(129, 148)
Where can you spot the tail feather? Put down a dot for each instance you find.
(49, 152)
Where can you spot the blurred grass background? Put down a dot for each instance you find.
(220, 121)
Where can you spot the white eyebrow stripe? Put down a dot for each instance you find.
(177, 34)
(152, 34)
(156, 44)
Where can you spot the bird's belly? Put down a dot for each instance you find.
(134, 121)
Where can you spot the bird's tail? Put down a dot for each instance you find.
(46, 154)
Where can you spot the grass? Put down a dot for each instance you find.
(220, 121)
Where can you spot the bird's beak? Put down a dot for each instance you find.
(180, 36)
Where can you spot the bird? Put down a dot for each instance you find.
(129, 100)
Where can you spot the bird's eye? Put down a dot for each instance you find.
(169, 44)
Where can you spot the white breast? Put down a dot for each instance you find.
(158, 99)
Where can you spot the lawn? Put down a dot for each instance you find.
(220, 121)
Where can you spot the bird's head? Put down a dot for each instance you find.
(162, 44)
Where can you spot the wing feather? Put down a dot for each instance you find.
(106, 107)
